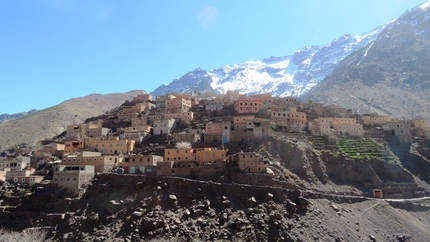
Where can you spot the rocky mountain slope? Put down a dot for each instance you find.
(52, 121)
(296, 204)
(391, 75)
(281, 76)
(6, 117)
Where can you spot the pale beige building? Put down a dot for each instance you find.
(289, 118)
(23, 176)
(248, 162)
(102, 163)
(199, 155)
(143, 97)
(137, 133)
(142, 164)
(112, 145)
(14, 164)
(335, 125)
(93, 129)
(130, 112)
(373, 120)
(420, 127)
(400, 129)
(139, 121)
(183, 116)
(164, 126)
(218, 132)
(72, 177)
(52, 149)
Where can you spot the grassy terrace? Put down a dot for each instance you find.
(362, 148)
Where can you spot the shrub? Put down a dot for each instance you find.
(24, 236)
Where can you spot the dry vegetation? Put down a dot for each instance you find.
(25, 236)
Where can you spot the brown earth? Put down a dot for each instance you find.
(53, 121)
(140, 208)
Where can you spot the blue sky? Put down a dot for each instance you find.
(54, 50)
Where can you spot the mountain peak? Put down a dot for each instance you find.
(425, 5)
(281, 76)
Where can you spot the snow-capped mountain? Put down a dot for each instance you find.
(391, 75)
(282, 76)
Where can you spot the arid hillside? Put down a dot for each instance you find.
(52, 121)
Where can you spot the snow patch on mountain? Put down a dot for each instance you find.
(425, 6)
(291, 75)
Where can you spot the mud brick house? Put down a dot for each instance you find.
(15, 163)
(218, 131)
(248, 162)
(375, 120)
(112, 145)
(72, 177)
(143, 97)
(23, 176)
(102, 163)
(53, 148)
(336, 126)
(164, 126)
(143, 164)
(137, 133)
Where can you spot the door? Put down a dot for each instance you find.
(132, 169)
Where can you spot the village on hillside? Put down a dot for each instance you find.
(199, 136)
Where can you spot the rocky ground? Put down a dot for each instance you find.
(138, 208)
(320, 197)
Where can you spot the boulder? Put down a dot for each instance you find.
(113, 206)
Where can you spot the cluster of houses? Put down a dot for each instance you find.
(208, 118)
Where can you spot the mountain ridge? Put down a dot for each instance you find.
(388, 76)
(290, 75)
(7, 117)
(49, 122)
